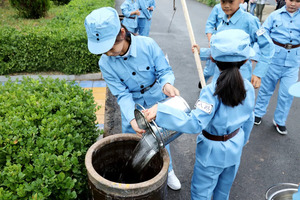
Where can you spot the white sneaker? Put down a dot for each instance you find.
(173, 181)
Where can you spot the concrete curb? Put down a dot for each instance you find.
(90, 77)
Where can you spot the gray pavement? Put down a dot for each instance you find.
(268, 158)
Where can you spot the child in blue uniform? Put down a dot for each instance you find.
(145, 18)
(224, 115)
(283, 26)
(134, 68)
(130, 10)
(236, 18)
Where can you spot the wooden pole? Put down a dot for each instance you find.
(193, 41)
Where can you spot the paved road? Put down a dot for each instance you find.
(268, 159)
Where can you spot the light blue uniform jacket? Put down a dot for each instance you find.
(127, 7)
(250, 24)
(126, 77)
(284, 28)
(221, 120)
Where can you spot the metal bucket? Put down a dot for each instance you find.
(163, 136)
(281, 191)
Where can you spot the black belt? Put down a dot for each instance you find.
(122, 16)
(147, 88)
(220, 138)
(286, 46)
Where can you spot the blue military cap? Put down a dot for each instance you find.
(102, 27)
(295, 89)
(204, 53)
(231, 45)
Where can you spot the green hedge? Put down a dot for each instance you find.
(56, 43)
(46, 128)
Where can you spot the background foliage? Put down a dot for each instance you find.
(210, 2)
(57, 42)
(46, 128)
(32, 9)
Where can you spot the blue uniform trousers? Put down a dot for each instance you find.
(287, 76)
(212, 181)
(144, 26)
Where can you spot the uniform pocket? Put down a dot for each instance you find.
(277, 23)
(145, 68)
(279, 56)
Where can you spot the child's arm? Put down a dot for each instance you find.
(266, 51)
(211, 23)
(247, 127)
(127, 11)
(152, 5)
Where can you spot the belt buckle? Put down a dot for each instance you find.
(225, 138)
(288, 46)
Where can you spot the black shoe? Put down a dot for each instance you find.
(280, 129)
(199, 85)
(257, 120)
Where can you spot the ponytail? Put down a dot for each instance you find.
(230, 87)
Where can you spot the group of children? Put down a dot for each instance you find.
(136, 71)
(138, 15)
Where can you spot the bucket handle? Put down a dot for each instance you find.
(139, 107)
(278, 185)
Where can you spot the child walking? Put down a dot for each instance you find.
(283, 26)
(130, 10)
(224, 115)
(145, 18)
(133, 67)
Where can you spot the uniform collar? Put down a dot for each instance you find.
(133, 46)
(283, 9)
(236, 16)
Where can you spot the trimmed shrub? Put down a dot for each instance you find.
(61, 2)
(32, 9)
(56, 44)
(46, 128)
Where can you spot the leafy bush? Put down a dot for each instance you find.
(46, 128)
(61, 2)
(33, 9)
(58, 43)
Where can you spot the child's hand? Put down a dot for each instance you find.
(137, 12)
(195, 46)
(136, 128)
(255, 81)
(150, 8)
(170, 90)
(150, 114)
